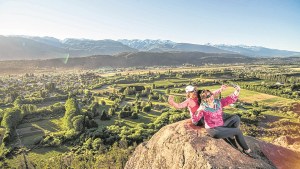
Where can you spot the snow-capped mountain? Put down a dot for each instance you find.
(147, 44)
(169, 46)
(27, 47)
(256, 51)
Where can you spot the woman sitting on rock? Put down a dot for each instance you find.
(192, 103)
(212, 111)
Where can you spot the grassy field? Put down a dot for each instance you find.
(143, 118)
(251, 96)
(133, 84)
(178, 69)
(48, 103)
(45, 125)
(37, 155)
(296, 69)
(171, 81)
(30, 131)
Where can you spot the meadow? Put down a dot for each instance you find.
(106, 113)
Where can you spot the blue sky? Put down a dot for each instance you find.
(268, 23)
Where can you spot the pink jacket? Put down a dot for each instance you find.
(192, 105)
(215, 119)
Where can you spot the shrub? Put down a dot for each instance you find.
(92, 124)
(104, 116)
(78, 122)
(111, 111)
(124, 114)
(134, 115)
(146, 109)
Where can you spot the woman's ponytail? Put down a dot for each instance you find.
(198, 96)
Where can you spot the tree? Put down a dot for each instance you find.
(98, 144)
(78, 122)
(87, 92)
(134, 115)
(137, 96)
(104, 116)
(150, 97)
(255, 104)
(256, 112)
(11, 118)
(103, 103)
(17, 102)
(146, 109)
(124, 114)
(50, 86)
(72, 109)
(126, 91)
(167, 91)
(95, 108)
(43, 93)
(92, 124)
(88, 143)
(153, 86)
(28, 108)
(111, 112)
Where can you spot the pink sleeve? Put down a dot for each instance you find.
(197, 117)
(229, 100)
(179, 105)
(216, 92)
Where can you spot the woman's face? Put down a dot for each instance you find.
(193, 94)
(209, 97)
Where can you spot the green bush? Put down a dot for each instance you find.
(135, 115)
(104, 116)
(72, 110)
(146, 109)
(78, 122)
(124, 114)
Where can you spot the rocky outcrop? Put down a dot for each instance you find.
(292, 143)
(182, 145)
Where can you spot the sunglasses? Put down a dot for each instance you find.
(207, 96)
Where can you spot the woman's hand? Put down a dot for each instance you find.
(171, 98)
(237, 90)
(223, 87)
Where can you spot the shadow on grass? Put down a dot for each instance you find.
(154, 113)
(25, 136)
(104, 123)
(145, 118)
(47, 125)
(46, 150)
(130, 122)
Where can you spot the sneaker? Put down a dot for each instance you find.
(250, 153)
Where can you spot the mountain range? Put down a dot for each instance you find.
(138, 59)
(31, 48)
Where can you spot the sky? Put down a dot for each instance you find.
(269, 23)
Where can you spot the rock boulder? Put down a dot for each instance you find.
(183, 145)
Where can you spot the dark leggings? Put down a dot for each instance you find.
(228, 130)
(200, 122)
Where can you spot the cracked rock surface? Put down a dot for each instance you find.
(183, 145)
